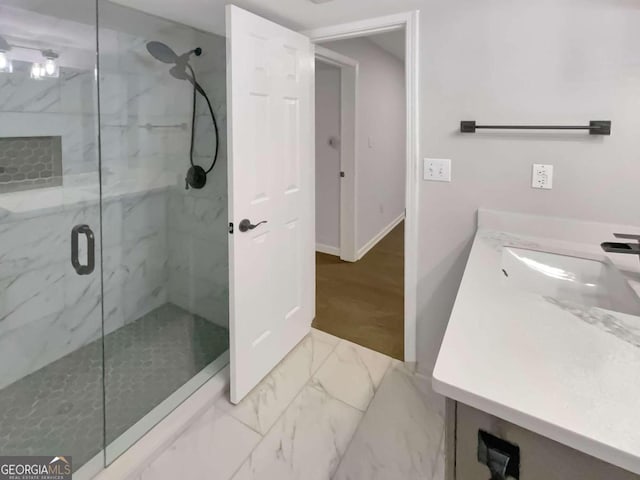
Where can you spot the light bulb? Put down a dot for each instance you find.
(50, 66)
(36, 71)
(5, 63)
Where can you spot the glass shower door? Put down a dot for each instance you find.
(50, 275)
(113, 276)
(165, 246)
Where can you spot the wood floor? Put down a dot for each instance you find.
(364, 301)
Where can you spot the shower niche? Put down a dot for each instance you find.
(91, 362)
(30, 162)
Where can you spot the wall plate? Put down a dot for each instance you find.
(542, 176)
(437, 169)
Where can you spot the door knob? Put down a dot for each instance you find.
(246, 225)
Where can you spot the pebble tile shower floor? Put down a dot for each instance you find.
(61, 407)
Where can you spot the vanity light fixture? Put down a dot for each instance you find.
(36, 71)
(48, 69)
(51, 63)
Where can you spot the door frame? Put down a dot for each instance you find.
(410, 22)
(349, 73)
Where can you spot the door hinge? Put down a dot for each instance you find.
(341, 174)
(230, 227)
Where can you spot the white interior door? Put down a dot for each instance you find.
(271, 153)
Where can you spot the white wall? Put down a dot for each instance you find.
(521, 62)
(381, 136)
(500, 60)
(327, 156)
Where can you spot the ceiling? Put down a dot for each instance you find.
(209, 15)
(392, 42)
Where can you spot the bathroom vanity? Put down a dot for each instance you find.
(541, 458)
(541, 356)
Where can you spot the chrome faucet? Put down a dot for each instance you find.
(626, 248)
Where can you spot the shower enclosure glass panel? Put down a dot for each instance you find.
(50, 308)
(165, 246)
(113, 276)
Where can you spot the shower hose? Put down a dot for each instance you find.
(198, 88)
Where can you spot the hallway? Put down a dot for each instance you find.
(363, 302)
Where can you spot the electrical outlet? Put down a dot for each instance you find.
(437, 169)
(542, 176)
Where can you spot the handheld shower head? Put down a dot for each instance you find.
(179, 72)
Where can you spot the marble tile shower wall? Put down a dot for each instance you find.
(195, 273)
(198, 220)
(62, 107)
(46, 309)
(43, 311)
(161, 243)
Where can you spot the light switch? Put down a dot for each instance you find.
(542, 176)
(437, 169)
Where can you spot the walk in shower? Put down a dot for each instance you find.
(113, 271)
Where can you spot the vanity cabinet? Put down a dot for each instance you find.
(540, 457)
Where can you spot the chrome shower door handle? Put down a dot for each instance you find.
(91, 249)
(246, 225)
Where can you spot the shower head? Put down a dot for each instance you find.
(165, 54)
(162, 52)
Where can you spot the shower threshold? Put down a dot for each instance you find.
(146, 363)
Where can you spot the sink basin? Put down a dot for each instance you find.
(585, 281)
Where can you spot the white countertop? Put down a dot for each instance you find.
(569, 374)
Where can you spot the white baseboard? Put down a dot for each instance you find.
(383, 233)
(328, 249)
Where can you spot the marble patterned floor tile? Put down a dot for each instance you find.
(265, 403)
(325, 337)
(401, 435)
(352, 374)
(212, 448)
(439, 470)
(306, 443)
